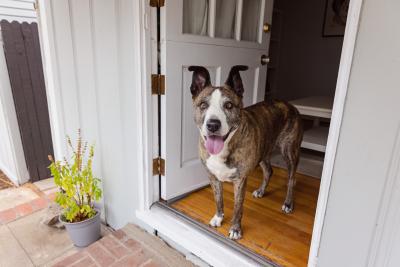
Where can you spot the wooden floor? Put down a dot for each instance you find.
(282, 238)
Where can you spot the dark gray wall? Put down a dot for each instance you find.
(308, 63)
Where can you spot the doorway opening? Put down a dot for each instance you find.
(303, 42)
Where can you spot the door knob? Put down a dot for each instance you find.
(266, 27)
(264, 60)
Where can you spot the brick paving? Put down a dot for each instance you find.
(25, 209)
(32, 243)
(116, 249)
(26, 205)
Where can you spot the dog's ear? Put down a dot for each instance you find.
(200, 80)
(234, 80)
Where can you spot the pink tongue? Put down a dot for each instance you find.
(214, 144)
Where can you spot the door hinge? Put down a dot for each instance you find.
(157, 3)
(157, 84)
(159, 166)
(36, 5)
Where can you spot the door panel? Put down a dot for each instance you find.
(179, 135)
(210, 21)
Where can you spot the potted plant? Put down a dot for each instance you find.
(79, 190)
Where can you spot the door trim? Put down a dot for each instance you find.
(346, 60)
(148, 117)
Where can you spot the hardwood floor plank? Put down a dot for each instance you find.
(283, 238)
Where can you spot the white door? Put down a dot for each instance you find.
(216, 34)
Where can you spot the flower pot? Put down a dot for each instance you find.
(84, 233)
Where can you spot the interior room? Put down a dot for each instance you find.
(304, 41)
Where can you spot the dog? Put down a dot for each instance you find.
(234, 140)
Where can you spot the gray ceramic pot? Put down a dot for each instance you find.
(84, 233)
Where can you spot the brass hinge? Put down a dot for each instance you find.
(157, 84)
(159, 166)
(36, 5)
(157, 3)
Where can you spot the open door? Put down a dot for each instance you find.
(217, 35)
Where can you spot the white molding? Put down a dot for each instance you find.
(203, 246)
(388, 220)
(51, 77)
(147, 105)
(346, 60)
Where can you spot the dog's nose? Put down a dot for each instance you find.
(213, 125)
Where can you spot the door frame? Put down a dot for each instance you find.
(148, 116)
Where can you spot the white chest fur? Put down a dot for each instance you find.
(217, 166)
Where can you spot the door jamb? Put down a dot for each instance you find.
(148, 185)
(148, 108)
(346, 59)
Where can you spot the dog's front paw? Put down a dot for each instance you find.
(235, 232)
(259, 193)
(216, 221)
(287, 208)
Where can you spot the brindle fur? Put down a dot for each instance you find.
(260, 128)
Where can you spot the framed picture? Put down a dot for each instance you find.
(335, 17)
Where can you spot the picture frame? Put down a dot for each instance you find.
(335, 18)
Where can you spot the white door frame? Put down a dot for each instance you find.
(148, 116)
(346, 60)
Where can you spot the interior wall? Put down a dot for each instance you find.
(92, 78)
(12, 158)
(308, 63)
(361, 226)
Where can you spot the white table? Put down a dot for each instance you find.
(317, 107)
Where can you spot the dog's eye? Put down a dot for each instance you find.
(203, 105)
(228, 105)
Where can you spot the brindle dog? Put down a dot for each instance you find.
(234, 140)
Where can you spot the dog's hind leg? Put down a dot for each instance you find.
(267, 173)
(290, 153)
(217, 188)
